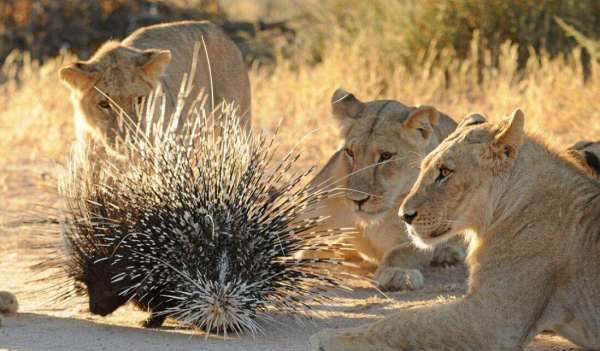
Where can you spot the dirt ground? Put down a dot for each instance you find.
(41, 326)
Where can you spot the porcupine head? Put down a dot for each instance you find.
(104, 295)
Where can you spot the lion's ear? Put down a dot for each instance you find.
(471, 120)
(509, 137)
(592, 161)
(346, 109)
(580, 145)
(153, 63)
(422, 119)
(345, 105)
(584, 150)
(77, 76)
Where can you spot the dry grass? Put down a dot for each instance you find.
(556, 101)
(36, 115)
(37, 127)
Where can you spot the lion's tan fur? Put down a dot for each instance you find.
(127, 71)
(369, 129)
(534, 259)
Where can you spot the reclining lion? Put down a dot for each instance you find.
(383, 144)
(121, 74)
(534, 257)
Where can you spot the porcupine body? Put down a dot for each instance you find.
(201, 227)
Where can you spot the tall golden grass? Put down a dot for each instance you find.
(36, 115)
(551, 92)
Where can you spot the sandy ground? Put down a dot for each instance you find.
(40, 326)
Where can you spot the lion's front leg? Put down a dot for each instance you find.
(357, 339)
(430, 328)
(464, 325)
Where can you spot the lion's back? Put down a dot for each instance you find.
(222, 61)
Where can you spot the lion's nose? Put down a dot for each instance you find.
(361, 202)
(408, 217)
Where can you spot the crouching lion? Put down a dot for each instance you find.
(534, 258)
(121, 74)
(383, 144)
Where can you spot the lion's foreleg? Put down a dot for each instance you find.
(458, 326)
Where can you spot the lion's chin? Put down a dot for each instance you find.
(431, 239)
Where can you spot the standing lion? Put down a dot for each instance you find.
(119, 76)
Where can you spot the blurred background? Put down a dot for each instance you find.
(405, 32)
(458, 55)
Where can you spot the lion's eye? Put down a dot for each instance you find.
(104, 105)
(349, 152)
(384, 156)
(444, 174)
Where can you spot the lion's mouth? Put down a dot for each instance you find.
(368, 209)
(369, 212)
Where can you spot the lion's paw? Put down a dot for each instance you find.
(448, 255)
(328, 340)
(395, 279)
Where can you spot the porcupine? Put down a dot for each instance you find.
(200, 226)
